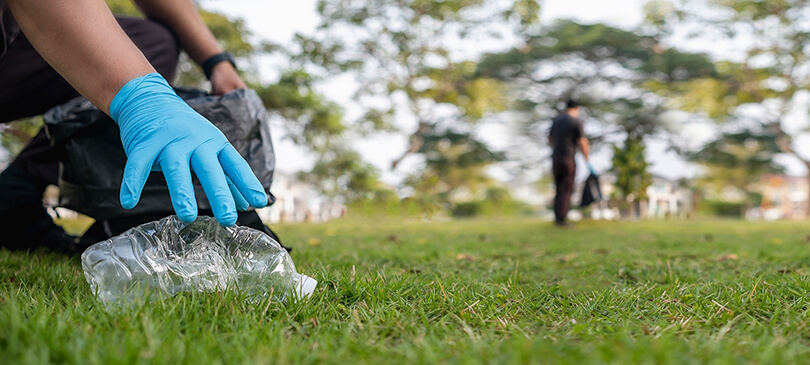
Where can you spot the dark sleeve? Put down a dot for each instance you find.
(9, 30)
(578, 132)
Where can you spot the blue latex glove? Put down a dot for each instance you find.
(590, 168)
(161, 132)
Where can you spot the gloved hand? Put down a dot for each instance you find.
(160, 131)
(590, 168)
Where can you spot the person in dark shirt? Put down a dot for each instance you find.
(565, 135)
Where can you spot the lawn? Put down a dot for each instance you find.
(476, 291)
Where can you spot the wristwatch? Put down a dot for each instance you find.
(208, 65)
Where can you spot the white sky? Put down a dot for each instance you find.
(280, 20)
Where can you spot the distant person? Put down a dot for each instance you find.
(565, 135)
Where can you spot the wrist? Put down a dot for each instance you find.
(215, 61)
(133, 91)
(225, 79)
(224, 68)
(139, 98)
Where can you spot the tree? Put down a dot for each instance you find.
(630, 166)
(738, 159)
(310, 120)
(766, 85)
(611, 71)
(401, 52)
(231, 33)
(340, 173)
(454, 167)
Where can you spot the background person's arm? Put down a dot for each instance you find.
(585, 146)
(195, 37)
(83, 42)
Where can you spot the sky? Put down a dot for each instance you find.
(278, 21)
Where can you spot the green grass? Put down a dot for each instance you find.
(475, 291)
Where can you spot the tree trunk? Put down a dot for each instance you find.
(416, 141)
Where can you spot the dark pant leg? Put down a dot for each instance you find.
(25, 179)
(564, 169)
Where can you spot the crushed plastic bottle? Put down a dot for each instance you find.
(167, 257)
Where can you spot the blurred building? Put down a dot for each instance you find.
(669, 198)
(298, 202)
(783, 197)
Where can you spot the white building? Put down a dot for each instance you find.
(668, 198)
(298, 202)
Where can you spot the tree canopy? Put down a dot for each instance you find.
(759, 88)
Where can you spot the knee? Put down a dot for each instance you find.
(164, 49)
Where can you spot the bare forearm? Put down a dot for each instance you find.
(82, 41)
(185, 20)
(586, 148)
(195, 37)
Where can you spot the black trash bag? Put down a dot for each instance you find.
(93, 159)
(591, 192)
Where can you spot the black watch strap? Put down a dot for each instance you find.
(214, 60)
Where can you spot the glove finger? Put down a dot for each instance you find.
(208, 170)
(241, 203)
(136, 171)
(242, 176)
(177, 172)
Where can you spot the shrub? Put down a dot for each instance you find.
(721, 208)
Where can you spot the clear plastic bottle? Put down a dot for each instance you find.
(168, 257)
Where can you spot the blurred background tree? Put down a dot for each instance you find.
(613, 73)
(738, 160)
(632, 178)
(342, 175)
(231, 33)
(454, 168)
(408, 60)
(769, 80)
